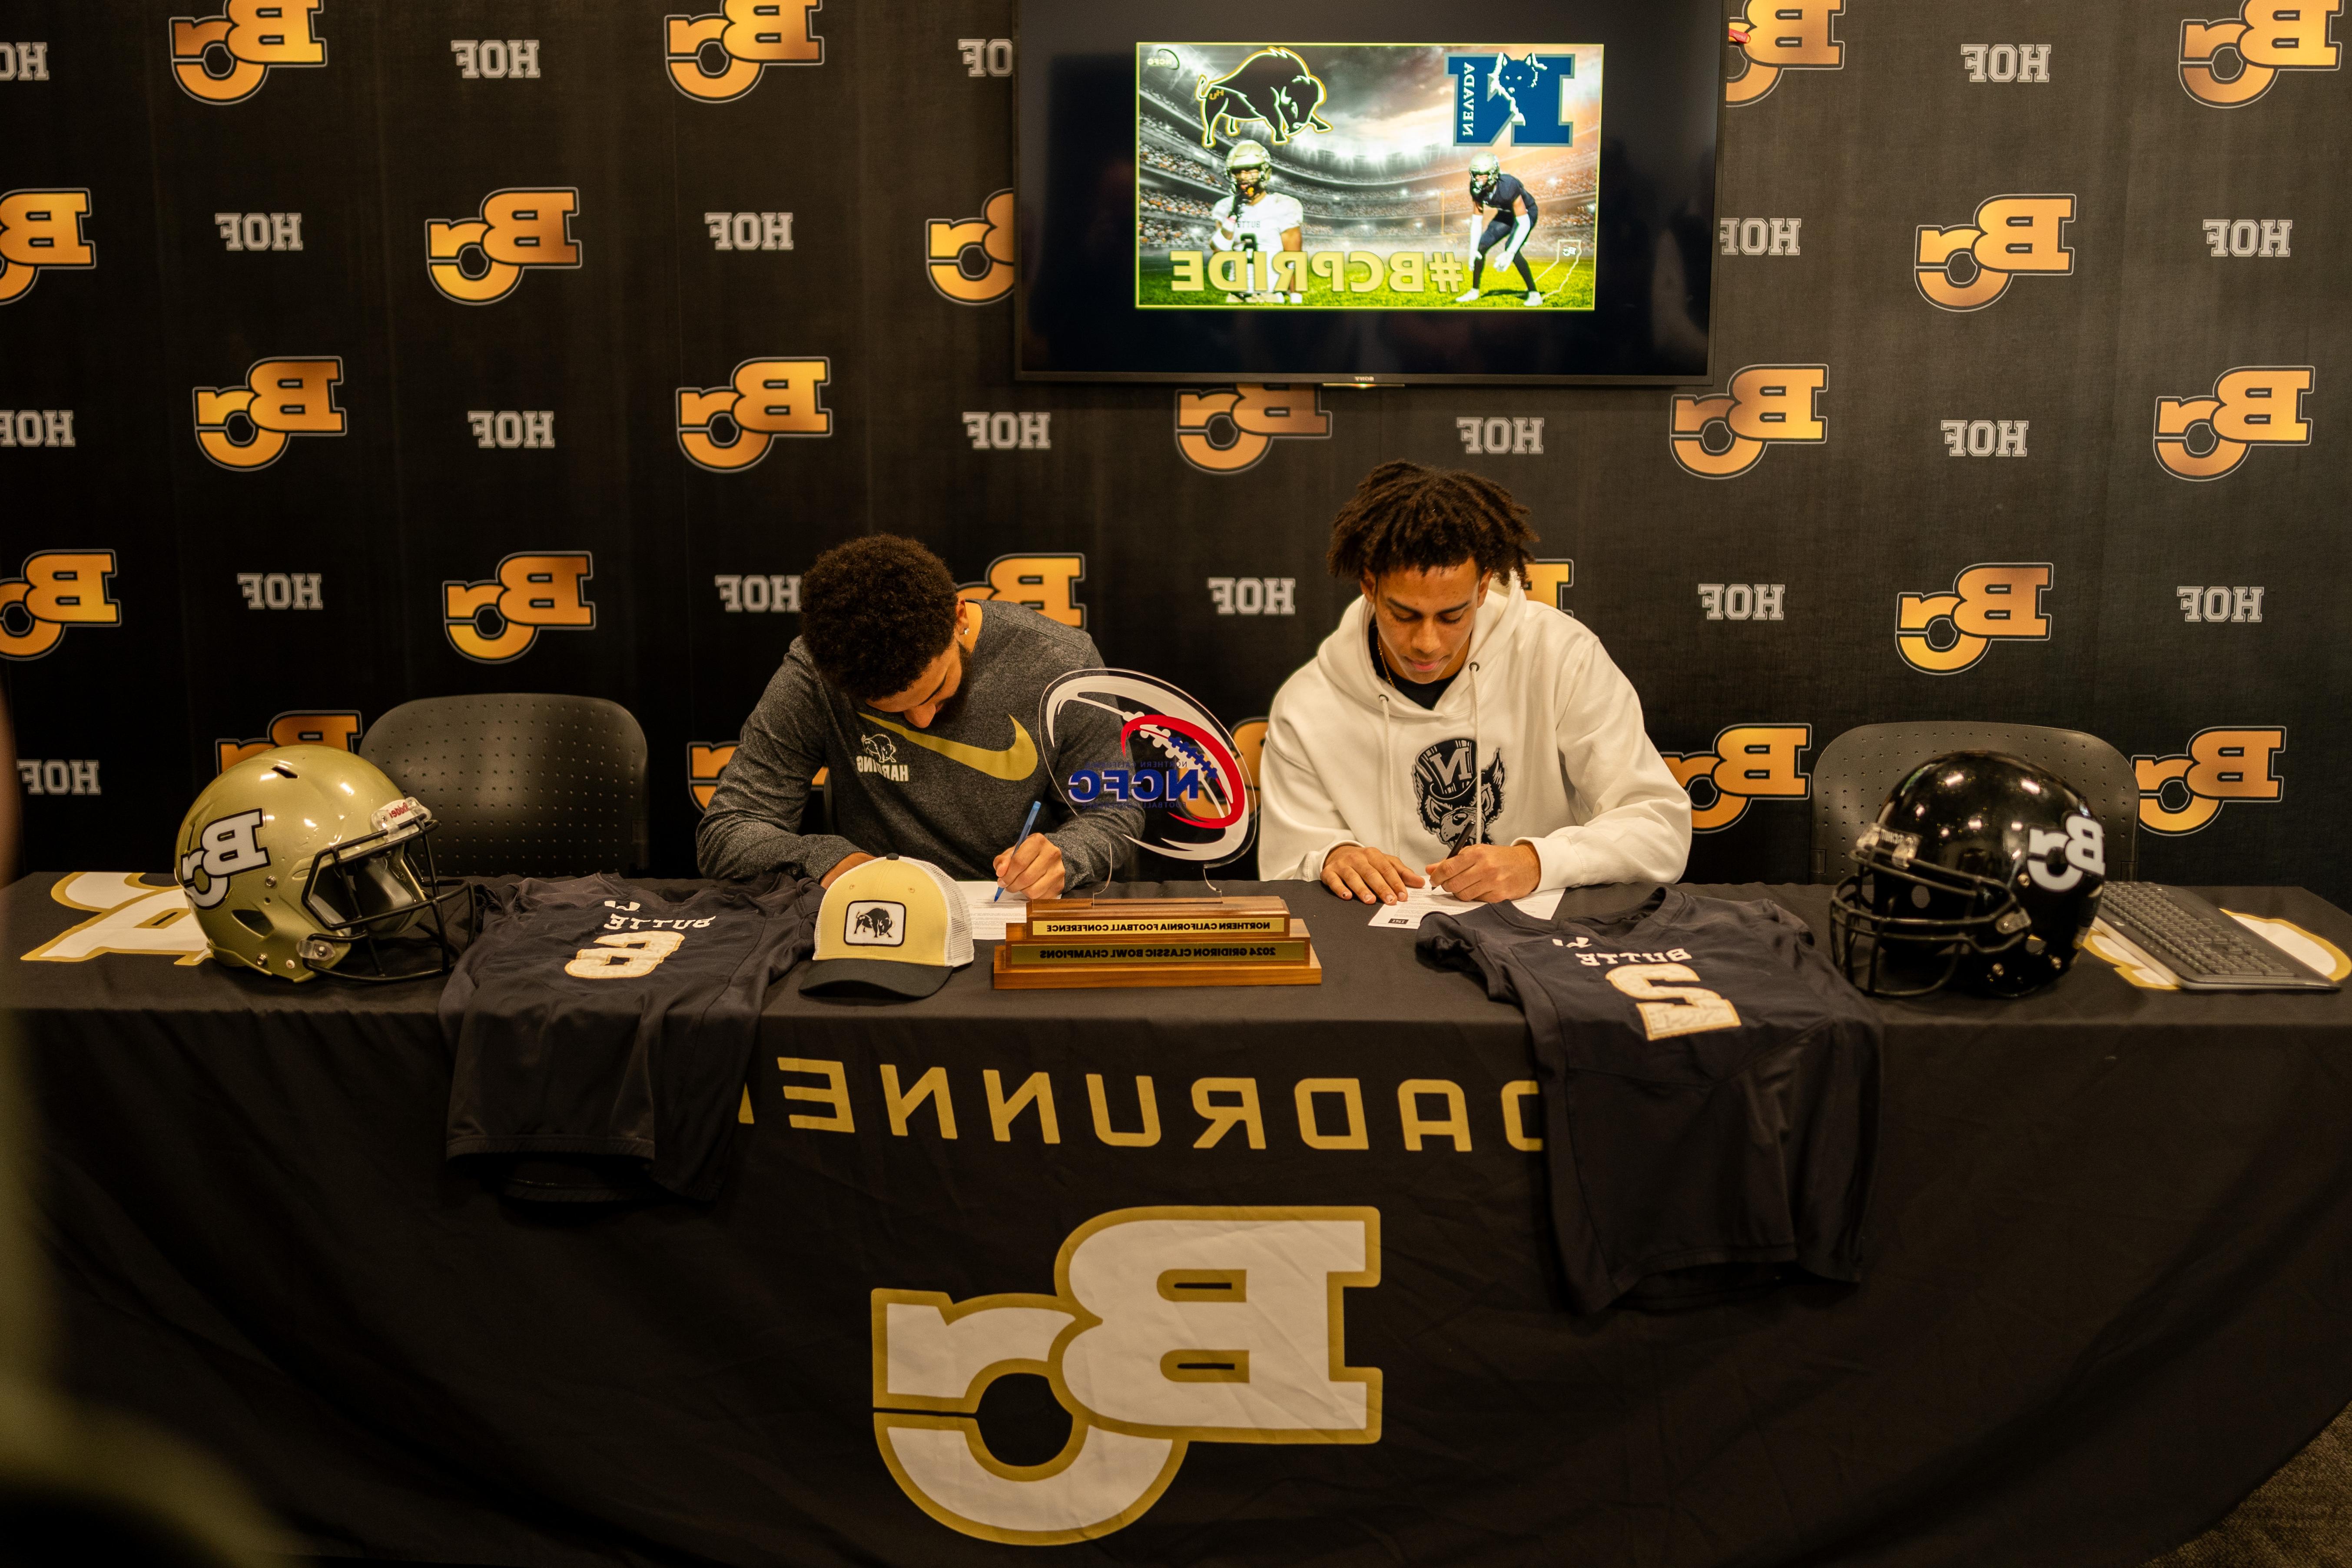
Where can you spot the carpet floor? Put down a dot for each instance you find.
(2300, 1518)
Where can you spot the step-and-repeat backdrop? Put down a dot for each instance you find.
(350, 354)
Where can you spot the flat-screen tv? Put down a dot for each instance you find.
(1368, 191)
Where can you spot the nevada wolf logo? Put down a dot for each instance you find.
(1452, 812)
(1272, 85)
(1495, 93)
(1167, 1326)
(2231, 62)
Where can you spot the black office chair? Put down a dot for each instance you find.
(522, 784)
(1857, 769)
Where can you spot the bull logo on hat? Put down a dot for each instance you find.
(874, 922)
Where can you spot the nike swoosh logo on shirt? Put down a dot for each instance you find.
(1014, 764)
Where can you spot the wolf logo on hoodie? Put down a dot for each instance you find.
(1442, 787)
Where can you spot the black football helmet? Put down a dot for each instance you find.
(1981, 870)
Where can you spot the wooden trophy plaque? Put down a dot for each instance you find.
(1071, 943)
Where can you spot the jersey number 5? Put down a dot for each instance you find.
(1670, 1010)
(627, 955)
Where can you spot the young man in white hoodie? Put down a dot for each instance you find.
(1452, 730)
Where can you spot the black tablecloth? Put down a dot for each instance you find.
(2110, 1286)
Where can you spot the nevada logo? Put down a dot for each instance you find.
(718, 58)
(2252, 405)
(1776, 35)
(226, 58)
(41, 229)
(2265, 37)
(1252, 418)
(1967, 266)
(1762, 406)
(2000, 602)
(514, 229)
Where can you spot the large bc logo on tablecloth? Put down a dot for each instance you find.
(1167, 1326)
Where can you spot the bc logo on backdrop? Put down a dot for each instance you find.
(1046, 584)
(727, 429)
(1998, 602)
(304, 727)
(1167, 1326)
(2236, 60)
(496, 620)
(226, 59)
(1250, 419)
(41, 229)
(1971, 265)
(57, 589)
(2252, 405)
(720, 55)
(1749, 762)
(2184, 794)
(1724, 436)
(246, 428)
(1776, 35)
(479, 260)
(953, 247)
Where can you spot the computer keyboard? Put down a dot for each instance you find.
(2205, 949)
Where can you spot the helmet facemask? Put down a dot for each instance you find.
(1903, 927)
(377, 895)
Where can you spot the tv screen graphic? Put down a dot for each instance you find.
(1321, 191)
(1367, 176)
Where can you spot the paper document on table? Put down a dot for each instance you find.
(989, 920)
(1421, 902)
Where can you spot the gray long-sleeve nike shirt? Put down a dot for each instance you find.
(954, 795)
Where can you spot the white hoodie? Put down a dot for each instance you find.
(1563, 761)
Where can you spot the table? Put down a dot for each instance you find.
(2111, 1274)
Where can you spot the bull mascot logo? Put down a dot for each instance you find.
(874, 922)
(1458, 802)
(1272, 85)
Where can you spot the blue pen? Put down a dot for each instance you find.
(1017, 843)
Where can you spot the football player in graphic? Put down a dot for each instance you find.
(1256, 219)
(1504, 241)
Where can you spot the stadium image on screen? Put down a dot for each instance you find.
(1366, 176)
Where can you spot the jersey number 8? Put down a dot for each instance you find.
(626, 955)
(1670, 1010)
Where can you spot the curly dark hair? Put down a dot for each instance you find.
(1407, 517)
(874, 612)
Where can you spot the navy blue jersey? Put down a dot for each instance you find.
(1509, 199)
(604, 1031)
(1709, 1087)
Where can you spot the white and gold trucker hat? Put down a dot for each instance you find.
(892, 925)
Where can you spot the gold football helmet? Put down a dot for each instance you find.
(298, 859)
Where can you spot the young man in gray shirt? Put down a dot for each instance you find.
(923, 709)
